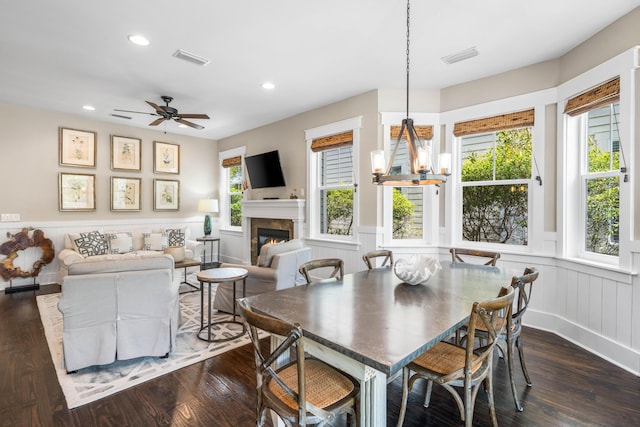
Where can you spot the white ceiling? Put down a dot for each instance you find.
(59, 55)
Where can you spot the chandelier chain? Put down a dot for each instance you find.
(408, 39)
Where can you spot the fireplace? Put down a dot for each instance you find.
(270, 235)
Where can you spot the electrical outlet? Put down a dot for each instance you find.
(9, 217)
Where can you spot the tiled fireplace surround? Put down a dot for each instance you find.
(278, 214)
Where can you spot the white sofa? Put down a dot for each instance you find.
(120, 314)
(277, 268)
(95, 251)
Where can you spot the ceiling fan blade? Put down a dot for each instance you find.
(193, 125)
(155, 107)
(137, 112)
(156, 122)
(193, 116)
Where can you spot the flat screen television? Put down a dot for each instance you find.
(264, 170)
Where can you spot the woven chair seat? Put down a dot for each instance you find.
(325, 385)
(443, 358)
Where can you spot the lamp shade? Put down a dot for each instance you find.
(208, 205)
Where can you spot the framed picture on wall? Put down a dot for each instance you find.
(77, 192)
(166, 195)
(166, 157)
(77, 148)
(125, 194)
(125, 153)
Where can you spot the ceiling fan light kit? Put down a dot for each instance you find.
(165, 112)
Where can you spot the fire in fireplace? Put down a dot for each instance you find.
(271, 235)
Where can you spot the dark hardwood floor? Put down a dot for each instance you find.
(571, 387)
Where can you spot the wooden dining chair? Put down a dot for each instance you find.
(335, 263)
(302, 391)
(451, 365)
(369, 257)
(471, 254)
(509, 339)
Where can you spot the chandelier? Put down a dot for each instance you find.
(422, 171)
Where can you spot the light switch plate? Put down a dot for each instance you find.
(9, 217)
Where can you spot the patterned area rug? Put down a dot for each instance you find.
(93, 383)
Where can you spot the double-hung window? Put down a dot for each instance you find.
(595, 114)
(332, 186)
(232, 186)
(495, 174)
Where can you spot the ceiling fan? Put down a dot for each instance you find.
(165, 112)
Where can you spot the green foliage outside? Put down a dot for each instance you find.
(403, 211)
(603, 202)
(339, 212)
(235, 200)
(498, 213)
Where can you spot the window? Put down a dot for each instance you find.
(332, 187)
(232, 186)
(593, 125)
(601, 181)
(495, 175)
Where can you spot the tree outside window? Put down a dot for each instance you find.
(235, 195)
(495, 174)
(602, 183)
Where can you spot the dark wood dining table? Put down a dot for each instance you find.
(371, 324)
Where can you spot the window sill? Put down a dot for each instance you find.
(333, 243)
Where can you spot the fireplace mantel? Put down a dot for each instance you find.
(285, 209)
(293, 209)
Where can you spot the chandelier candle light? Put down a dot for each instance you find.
(422, 172)
(207, 206)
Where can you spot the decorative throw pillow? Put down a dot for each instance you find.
(155, 241)
(92, 243)
(175, 236)
(120, 243)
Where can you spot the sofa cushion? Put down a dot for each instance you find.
(89, 244)
(155, 241)
(269, 250)
(140, 260)
(120, 243)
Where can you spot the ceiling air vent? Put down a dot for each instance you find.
(188, 56)
(460, 56)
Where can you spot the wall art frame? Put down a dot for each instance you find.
(166, 195)
(125, 193)
(166, 157)
(126, 153)
(77, 148)
(77, 192)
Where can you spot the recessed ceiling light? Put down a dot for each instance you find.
(268, 85)
(89, 107)
(139, 40)
(182, 126)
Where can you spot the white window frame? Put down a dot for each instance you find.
(354, 125)
(430, 199)
(570, 231)
(225, 213)
(453, 195)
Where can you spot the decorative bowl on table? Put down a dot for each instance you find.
(416, 269)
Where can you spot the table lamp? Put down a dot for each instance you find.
(207, 206)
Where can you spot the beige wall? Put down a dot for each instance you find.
(288, 137)
(29, 167)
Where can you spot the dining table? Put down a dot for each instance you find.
(371, 324)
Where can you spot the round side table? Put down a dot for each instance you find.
(220, 275)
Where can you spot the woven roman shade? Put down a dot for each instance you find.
(604, 94)
(232, 161)
(424, 132)
(490, 124)
(330, 142)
